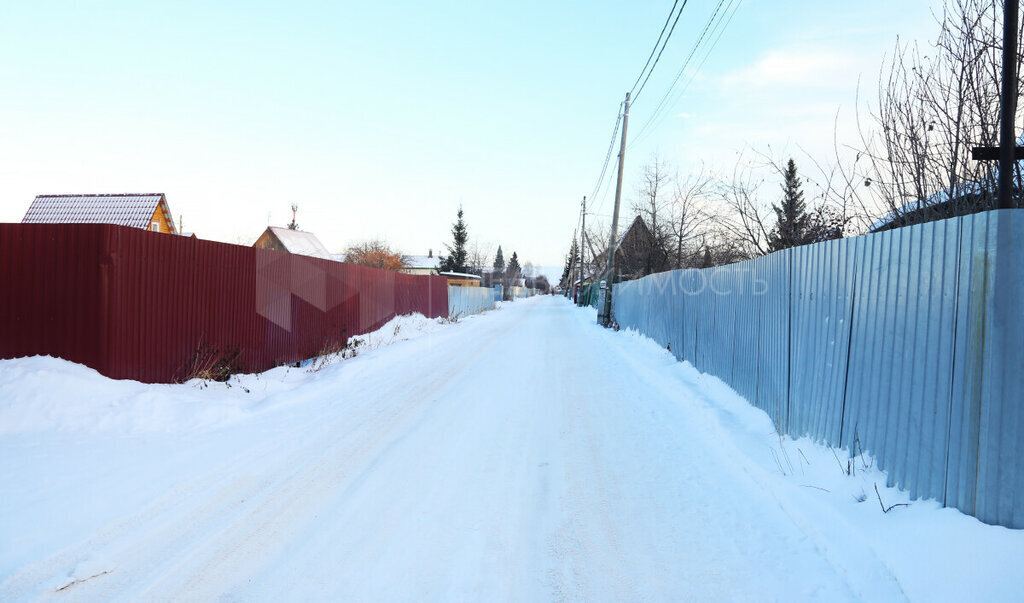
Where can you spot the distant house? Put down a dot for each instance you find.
(964, 199)
(145, 211)
(422, 264)
(292, 241)
(637, 252)
(460, 279)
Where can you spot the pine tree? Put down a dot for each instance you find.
(514, 270)
(499, 262)
(791, 216)
(457, 255)
(568, 274)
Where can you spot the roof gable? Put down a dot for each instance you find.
(422, 261)
(637, 228)
(133, 210)
(300, 242)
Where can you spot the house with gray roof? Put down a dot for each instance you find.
(148, 211)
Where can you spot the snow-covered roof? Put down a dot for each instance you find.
(422, 261)
(129, 209)
(460, 275)
(339, 257)
(300, 242)
(972, 187)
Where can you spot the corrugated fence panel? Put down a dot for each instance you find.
(1000, 484)
(746, 319)
(48, 301)
(976, 240)
(691, 287)
(512, 293)
(672, 321)
(659, 300)
(905, 344)
(822, 303)
(771, 275)
(465, 301)
(898, 396)
(722, 287)
(705, 331)
(632, 307)
(140, 305)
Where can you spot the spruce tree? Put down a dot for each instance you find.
(499, 262)
(791, 215)
(457, 255)
(568, 274)
(514, 270)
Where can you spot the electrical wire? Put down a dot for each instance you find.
(611, 145)
(608, 155)
(717, 29)
(714, 24)
(661, 104)
(656, 42)
(663, 45)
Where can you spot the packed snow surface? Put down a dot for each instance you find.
(524, 454)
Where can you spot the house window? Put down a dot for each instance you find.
(155, 226)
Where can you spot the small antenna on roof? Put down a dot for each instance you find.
(294, 225)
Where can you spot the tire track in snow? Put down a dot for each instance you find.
(210, 538)
(620, 485)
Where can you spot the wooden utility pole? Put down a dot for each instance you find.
(604, 313)
(583, 242)
(1007, 129)
(572, 266)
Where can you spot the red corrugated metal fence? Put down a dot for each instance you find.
(140, 305)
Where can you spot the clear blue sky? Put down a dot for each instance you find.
(379, 119)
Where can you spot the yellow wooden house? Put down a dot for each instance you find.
(460, 279)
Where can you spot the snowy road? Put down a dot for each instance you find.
(521, 455)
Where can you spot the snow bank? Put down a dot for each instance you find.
(936, 553)
(42, 393)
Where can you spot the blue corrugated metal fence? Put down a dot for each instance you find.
(907, 344)
(463, 301)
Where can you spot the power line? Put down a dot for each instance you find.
(615, 131)
(716, 21)
(716, 28)
(608, 155)
(721, 31)
(604, 195)
(663, 45)
(661, 104)
(656, 42)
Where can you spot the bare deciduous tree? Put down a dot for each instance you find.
(479, 256)
(689, 218)
(934, 104)
(747, 219)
